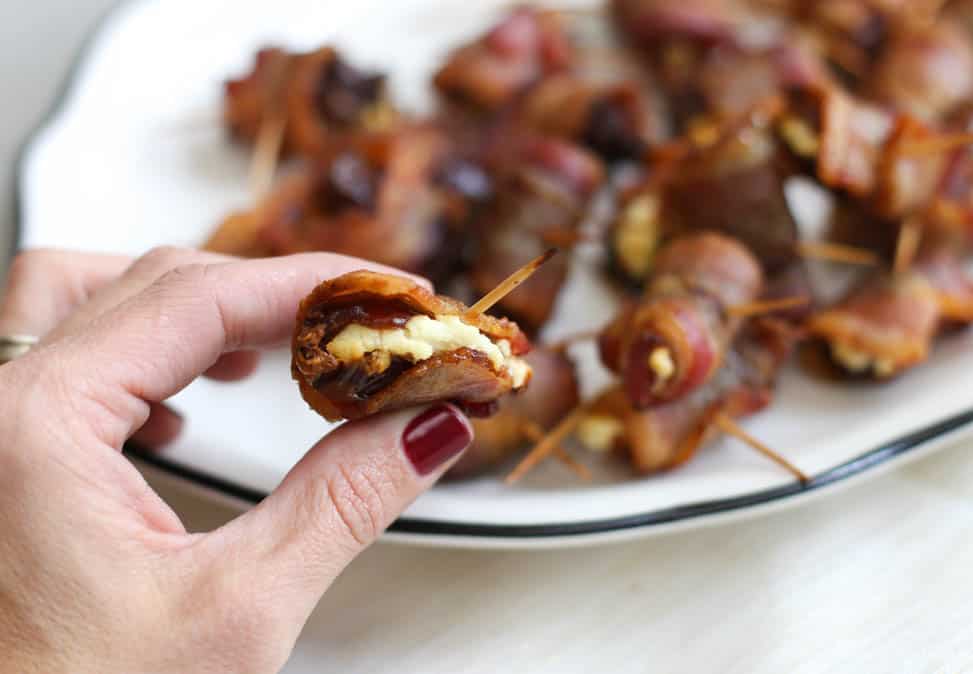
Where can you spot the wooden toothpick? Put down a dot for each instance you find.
(266, 153)
(836, 252)
(509, 284)
(548, 444)
(535, 433)
(936, 145)
(730, 427)
(910, 234)
(749, 309)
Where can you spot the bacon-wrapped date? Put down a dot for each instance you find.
(887, 325)
(316, 95)
(366, 343)
(876, 159)
(925, 71)
(667, 435)
(401, 198)
(544, 187)
(716, 59)
(491, 72)
(614, 119)
(674, 339)
(742, 176)
(552, 394)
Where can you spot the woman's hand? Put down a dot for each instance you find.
(97, 573)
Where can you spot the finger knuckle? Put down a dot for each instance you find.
(161, 259)
(358, 501)
(28, 263)
(183, 274)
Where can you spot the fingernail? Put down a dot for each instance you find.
(434, 437)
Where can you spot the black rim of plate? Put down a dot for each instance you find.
(856, 466)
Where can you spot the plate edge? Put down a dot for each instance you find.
(860, 465)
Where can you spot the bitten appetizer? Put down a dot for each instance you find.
(674, 339)
(888, 324)
(367, 343)
(314, 95)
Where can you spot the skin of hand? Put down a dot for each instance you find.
(98, 574)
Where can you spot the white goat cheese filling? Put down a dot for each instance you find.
(859, 361)
(598, 432)
(423, 337)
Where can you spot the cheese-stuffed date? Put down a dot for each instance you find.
(667, 435)
(675, 338)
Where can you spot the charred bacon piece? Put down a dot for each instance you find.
(317, 94)
(553, 393)
(367, 343)
(401, 198)
(544, 187)
(676, 337)
(668, 435)
(887, 325)
(489, 73)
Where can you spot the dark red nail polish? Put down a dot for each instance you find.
(434, 437)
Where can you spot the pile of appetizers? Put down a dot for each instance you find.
(688, 117)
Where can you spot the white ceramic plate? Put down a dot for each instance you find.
(134, 157)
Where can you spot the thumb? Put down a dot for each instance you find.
(334, 503)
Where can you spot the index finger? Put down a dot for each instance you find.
(157, 342)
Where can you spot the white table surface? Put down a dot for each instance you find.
(877, 578)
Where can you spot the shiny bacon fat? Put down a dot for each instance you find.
(367, 343)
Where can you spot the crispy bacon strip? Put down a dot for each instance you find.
(369, 373)
(316, 95)
(676, 338)
(888, 324)
(521, 49)
(553, 392)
